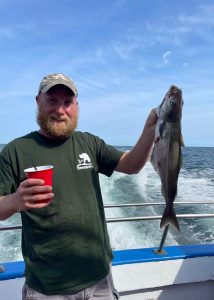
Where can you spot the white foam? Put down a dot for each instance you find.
(126, 235)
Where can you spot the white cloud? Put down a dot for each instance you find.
(166, 57)
(123, 50)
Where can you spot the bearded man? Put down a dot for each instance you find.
(65, 242)
(57, 108)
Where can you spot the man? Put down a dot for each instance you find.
(65, 242)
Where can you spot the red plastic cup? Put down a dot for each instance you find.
(41, 172)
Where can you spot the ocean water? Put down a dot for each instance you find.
(196, 183)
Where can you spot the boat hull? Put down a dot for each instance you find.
(183, 272)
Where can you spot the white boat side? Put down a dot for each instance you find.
(183, 272)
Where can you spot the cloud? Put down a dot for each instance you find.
(166, 57)
(125, 51)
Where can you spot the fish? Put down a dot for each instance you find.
(166, 156)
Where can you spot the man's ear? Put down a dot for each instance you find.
(37, 99)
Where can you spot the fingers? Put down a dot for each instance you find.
(34, 194)
(31, 182)
(153, 114)
(152, 118)
(42, 204)
(35, 186)
(38, 200)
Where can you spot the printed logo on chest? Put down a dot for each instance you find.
(84, 162)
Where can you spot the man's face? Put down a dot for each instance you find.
(57, 112)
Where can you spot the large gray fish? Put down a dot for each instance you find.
(166, 156)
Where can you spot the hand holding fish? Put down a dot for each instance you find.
(152, 118)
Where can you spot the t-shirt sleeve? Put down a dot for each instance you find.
(7, 179)
(107, 157)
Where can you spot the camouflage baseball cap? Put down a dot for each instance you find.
(53, 79)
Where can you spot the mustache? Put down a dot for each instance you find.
(57, 118)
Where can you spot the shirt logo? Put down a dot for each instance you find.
(84, 162)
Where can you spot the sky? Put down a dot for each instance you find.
(123, 56)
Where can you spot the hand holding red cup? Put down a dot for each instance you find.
(41, 172)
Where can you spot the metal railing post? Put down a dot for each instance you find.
(2, 268)
(160, 249)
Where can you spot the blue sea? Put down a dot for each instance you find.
(196, 183)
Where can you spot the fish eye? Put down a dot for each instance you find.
(172, 102)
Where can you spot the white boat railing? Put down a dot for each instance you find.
(141, 218)
(157, 203)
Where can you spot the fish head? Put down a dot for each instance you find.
(170, 109)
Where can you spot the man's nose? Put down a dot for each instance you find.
(60, 109)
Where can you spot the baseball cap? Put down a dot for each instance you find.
(57, 78)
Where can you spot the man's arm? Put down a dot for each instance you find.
(7, 208)
(29, 192)
(133, 161)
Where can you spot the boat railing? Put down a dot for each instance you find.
(156, 217)
(142, 218)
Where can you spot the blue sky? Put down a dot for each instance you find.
(123, 56)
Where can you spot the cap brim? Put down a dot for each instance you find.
(50, 85)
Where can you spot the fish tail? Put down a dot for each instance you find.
(169, 218)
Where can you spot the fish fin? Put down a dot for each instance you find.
(169, 218)
(182, 141)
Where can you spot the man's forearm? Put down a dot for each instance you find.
(7, 208)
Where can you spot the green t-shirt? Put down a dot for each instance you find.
(66, 245)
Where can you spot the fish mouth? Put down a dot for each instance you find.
(175, 91)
